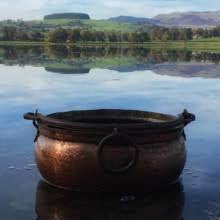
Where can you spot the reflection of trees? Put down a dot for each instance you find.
(57, 52)
(21, 55)
(39, 55)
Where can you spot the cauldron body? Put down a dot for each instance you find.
(76, 165)
(140, 152)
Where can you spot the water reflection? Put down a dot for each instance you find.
(53, 203)
(75, 60)
(67, 70)
(22, 89)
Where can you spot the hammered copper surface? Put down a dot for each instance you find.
(76, 166)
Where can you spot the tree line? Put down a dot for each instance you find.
(10, 33)
(75, 35)
(164, 34)
(64, 35)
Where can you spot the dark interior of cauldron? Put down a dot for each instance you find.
(112, 116)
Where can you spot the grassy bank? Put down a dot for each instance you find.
(200, 44)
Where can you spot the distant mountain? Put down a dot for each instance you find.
(197, 19)
(178, 19)
(135, 20)
(184, 19)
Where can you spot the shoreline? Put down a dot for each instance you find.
(193, 44)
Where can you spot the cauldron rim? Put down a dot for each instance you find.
(161, 121)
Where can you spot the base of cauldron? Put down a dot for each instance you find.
(137, 188)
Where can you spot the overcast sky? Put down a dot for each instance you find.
(36, 9)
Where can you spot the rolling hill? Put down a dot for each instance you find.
(177, 19)
(67, 15)
(135, 20)
(193, 19)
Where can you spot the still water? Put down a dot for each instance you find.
(55, 79)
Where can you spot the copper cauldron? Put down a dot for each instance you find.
(110, 150)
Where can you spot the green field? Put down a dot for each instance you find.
(96, 25)
(99, 25)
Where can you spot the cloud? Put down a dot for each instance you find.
(32, 9)
(12, 9)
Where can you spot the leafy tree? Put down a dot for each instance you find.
(100, 36)
(125, 37)
(9, 33)
(189, 34)
(199, 32)
(58, 36)
(87, 35)
(205, 33)
(37, 36)
(175, 33)
(182, 35)
(166, 36)
(145, 37)
(74, 35)
(112, 37)
(157, 33)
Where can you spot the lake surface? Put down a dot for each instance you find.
(55, 79)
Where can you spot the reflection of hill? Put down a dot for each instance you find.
(192, 69)
(132, 68)
(67, 71)
(77, 60)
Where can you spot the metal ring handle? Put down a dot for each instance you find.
(129, 165)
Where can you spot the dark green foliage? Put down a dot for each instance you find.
(58, 36)
(206, 33)
(165, 34)
(74, 35)
(100, 36)
(112, 37)
(189, 33)
(87, 35)
(67, 16)
(9, 33)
